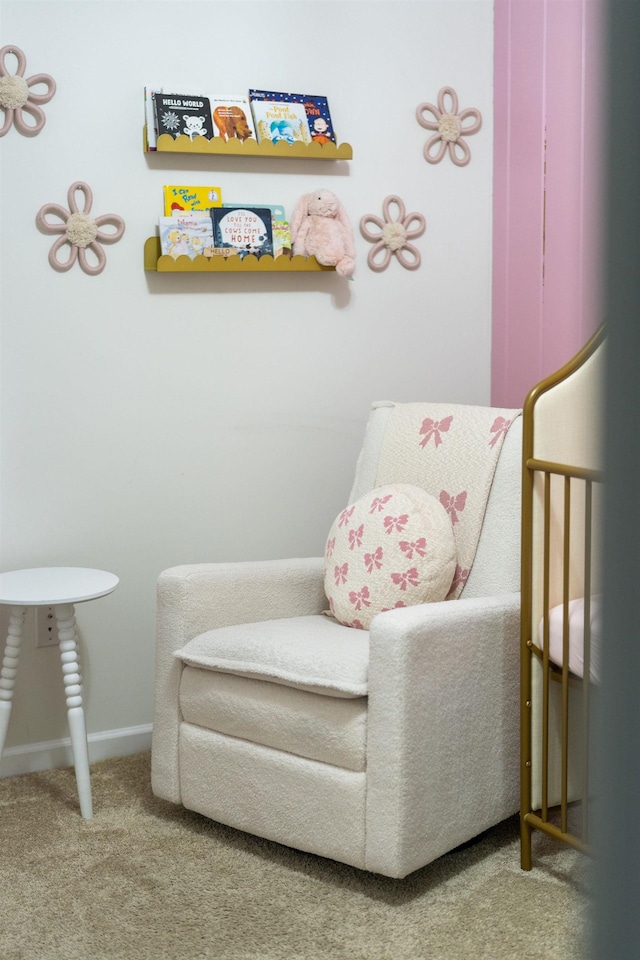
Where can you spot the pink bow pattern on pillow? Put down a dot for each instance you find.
(394, 547)
(374, 559)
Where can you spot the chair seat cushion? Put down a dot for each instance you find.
(311, 653)
(329, 729)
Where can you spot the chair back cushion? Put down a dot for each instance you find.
(417, 444)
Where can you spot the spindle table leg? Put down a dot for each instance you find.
(10, 668)
(68, 642)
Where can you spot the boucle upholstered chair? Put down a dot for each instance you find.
(381, 748)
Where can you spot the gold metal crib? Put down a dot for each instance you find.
(561, 506)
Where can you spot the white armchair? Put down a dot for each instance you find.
(383, 748)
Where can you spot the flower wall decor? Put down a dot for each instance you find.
(449, 127)
(393, 236)
(79, 230)
(17, 97)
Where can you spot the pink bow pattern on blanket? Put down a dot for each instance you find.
(434, 428)
(451, 451)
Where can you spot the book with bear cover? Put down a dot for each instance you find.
(232, 117)
(316, 108)
(187, 235)
(277, 120)
(183, 114)
(247, 229)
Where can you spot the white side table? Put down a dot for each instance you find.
(60, 588)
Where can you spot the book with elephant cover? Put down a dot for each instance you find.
(247, 229)
(316, 108)
(232, 117)
(183, 114)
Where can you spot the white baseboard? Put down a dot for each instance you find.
(54, 754)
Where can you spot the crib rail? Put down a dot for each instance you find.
(560, 510)
(543, 819)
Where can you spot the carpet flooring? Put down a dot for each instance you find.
(145, 880)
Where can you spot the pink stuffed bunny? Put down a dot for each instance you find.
(321, 228)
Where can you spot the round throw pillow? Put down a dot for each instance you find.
(394, 547)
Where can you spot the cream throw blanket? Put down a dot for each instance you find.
(451, 451)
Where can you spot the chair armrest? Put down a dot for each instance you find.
(194, 598)
(443, 728)
(204, 596)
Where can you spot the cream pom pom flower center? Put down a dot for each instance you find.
(394, 235)
(81, 229)
(449, 127)
(14, 92)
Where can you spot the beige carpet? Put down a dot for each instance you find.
(145, 880)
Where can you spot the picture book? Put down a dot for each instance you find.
(150, 120)
(178, 114)
(279, 227)
(232, 117)
(180, 198)
(281, 238)
(186, 235)
(277, 210)
(248, 229)
(280, 120)
(316, 108)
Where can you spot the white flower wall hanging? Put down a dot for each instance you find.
(393, 235)
(80, 231)
(449, 128)
(17, 97)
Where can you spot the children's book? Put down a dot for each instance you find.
(280, 120)
(281, 238)
(150, 120)
(232, 117)
(277, 210)
(183, 114)
(316, 108)
(186, 235)
(248, 229)
(178, 198)
(279, 227)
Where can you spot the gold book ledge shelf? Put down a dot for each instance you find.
(250, 148)
(234, 264)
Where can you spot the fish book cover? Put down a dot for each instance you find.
(316, 108)
(280, 120)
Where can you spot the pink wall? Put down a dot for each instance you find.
(547, 216)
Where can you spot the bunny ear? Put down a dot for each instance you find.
(300, 212)
(349, 241)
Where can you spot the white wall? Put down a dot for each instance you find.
(150, 420)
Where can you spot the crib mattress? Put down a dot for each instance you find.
(576, 610)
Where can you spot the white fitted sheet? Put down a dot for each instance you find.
(576, 610)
